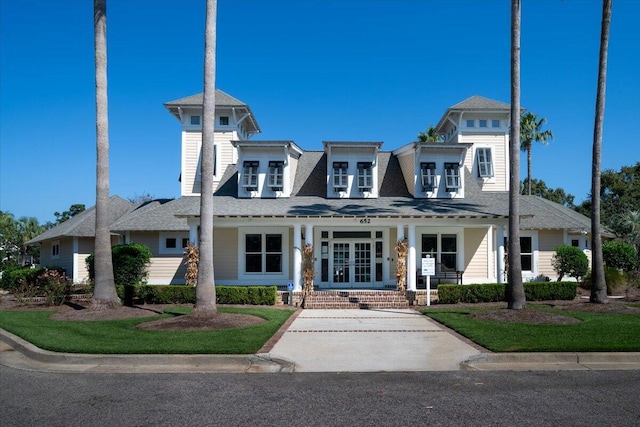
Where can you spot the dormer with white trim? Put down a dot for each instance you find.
(266, 169)
(433, 170)
(352, 169)
(483, 124)
(234, 121)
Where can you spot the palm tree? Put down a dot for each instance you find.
(515, 288)
(598, 284)
(430, 135)
(28, 228)
(205, 287)
(104, 294)
(530, 132)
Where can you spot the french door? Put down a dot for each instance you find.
(352, 264)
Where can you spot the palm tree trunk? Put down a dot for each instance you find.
(598, 284)
(205, 287)
(515, 288)
(104, 294)
(529, 169)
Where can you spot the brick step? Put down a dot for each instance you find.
(355, 300)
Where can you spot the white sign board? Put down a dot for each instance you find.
(428, 266)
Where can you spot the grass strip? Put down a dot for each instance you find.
(595, 332)
(119, 336)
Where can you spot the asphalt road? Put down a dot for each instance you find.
(463, 398)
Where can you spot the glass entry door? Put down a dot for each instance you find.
(352, 264)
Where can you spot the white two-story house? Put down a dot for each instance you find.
(352, 201)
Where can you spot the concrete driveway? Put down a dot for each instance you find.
(369, 341)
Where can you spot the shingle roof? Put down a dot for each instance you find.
(84, 223)
(223, 99)
(476, 102)
(309, 199)
(157, 215)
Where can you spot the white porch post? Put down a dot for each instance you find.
(565, 236)
(308, 236)
(401, 232)
(500, 256)
(297, 257)
(460, 248)
(411, 262)
(193, 230)
(491, 253)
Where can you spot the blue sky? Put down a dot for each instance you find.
(376, 70)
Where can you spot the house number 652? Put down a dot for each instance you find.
(365, 221)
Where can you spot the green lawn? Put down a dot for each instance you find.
(119, 336)
(595, 332)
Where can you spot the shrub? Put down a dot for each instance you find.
(130, 264)
(493, 292)
(571, 261)
(619, 255)
(612, 277)
(181, 294)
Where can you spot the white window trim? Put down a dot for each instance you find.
(260, 278)
(430, 175)
(486, 162)
(162, 242)
(341, 179)
(276, 171)
(365, 171)
(216, 163)
(250, 169)
(452, 176)
(55, 254)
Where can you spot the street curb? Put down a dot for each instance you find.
(559, 361)
(250, 363)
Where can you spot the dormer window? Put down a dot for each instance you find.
(452, 176)
(428, 176)
(470, 123)
(224, 120)
(483, 123)
(340, 176)
(276, 174)
(365, 176)
(250, 175)
(485, 164)
(495, 123)
(195, 120)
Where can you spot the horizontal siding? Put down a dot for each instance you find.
(190, 152)
(167, 270)
(499, 148)
(225, 253)
(548, 240)
(476, 254)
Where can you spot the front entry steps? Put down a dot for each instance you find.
(355, 300)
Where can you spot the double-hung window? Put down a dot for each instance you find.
(365, 176)
(263, 253)
(276, 174)
(452, 176)
(526, 253)
(442, 247)
(428, 176)
(250, 175)
(55, 249)
(485, 163)
(340, 176)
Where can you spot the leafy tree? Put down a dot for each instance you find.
(14, 234)
(130, 263)
(104, 294)
(539, 188)
(530, 132)
(66, 215)
(571, 261)
(620, 255)
(430, 135)
(598, 283)
(27, 228)
(206, 288)
(515, 288)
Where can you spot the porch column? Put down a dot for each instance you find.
(500, 256)
(297, 257)
(401, 232)
(308, 234)
(411, 262)
(193, 230)
(565, 236)
(460, 249)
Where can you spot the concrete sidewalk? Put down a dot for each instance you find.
(370, 341)
(326, 341)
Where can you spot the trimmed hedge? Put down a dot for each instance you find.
(181, 294)
(494, 292)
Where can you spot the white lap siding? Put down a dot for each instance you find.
(477, 255)
(548, 241)
(225, 254)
